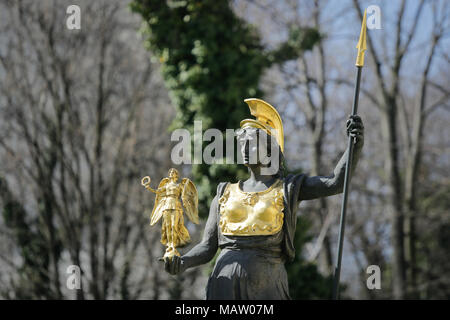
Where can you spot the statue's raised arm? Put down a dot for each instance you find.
(324, 186)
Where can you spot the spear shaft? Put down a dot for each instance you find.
(337, 270)
(359, 65)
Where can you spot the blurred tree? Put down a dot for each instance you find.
(34, 279)
(404, 125)
(310, 76)
(433, 242)
(82, 114)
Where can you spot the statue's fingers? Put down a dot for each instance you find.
(359, 125)
(179, 265)
(176, 264)
(352, 124)
(171, 265)
(167, 265)
(354, 119)
(355, 125)
(356, 134)
(355, 130)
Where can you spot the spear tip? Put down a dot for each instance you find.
(361, 46)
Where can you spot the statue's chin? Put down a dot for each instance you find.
(252, 166)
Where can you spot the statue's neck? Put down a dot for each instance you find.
(257, 180)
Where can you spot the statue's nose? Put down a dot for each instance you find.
(247, 146)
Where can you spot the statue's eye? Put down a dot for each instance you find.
(241, 141)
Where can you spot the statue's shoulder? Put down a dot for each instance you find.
(296, 178)
(221, 188)
(293, 183)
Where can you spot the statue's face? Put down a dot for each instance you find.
(247, 139)
(258, 149)
(251, 140)
(173, 175)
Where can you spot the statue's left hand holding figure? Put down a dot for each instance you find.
(169, 207)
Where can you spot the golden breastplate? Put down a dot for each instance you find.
(251, 213)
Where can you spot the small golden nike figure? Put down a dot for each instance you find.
(168, 206)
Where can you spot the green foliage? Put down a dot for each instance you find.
(300, 39)
(211, 61)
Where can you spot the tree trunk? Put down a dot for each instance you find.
(389, 123)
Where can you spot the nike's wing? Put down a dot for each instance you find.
(189, 196)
